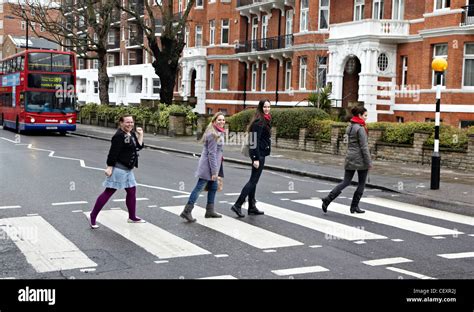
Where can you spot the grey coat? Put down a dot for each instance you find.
(211, 157)
(358, 155)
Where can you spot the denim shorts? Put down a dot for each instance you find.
(120, 179)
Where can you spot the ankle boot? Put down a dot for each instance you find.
(186, 214)
(355, 203)
(328, 199)
(210, 213)
(238, 210)
(253, 208)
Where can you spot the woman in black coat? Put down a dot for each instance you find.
(259, 131)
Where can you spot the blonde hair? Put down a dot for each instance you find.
(210, 128)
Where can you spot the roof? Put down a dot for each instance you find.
(33, 43)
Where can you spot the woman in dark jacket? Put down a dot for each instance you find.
(357, 159)
(122, 158)
(259, 131)
(209, 169)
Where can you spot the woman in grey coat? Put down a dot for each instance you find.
(357, 159)
(209, 168)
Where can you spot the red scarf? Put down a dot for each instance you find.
(219, 128)
(267, 117)
(361, 122)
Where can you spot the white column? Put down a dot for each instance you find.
(200, 88)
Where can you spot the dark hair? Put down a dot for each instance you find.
(358, 110)
(258, 113)
(122, 118)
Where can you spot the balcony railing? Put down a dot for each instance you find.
(386, 29)
(468, 15)
(241, 3)
(272, 43)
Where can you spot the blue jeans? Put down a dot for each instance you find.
(211, 193)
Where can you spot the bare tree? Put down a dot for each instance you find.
(168, 48)
(81, 26)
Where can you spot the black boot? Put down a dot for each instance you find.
(238, 210)
(328, 199)
(355, 203)
(210, 213)
(186, 214)
(253, 208)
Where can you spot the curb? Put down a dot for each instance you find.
(246, 163)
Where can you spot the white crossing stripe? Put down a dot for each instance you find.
(302, 270)
(458, 255)
(148, 236)
(69, 203)
(9, 207)
(331, 228)
(239, 230)
(323, 191)
(219, 277)
(417, 275)
(401, 223)
(284, 192)
(122, 200)
(386, 261)
(433, 213)
(44, 247)
(232, 194)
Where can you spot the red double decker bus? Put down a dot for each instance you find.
(37, 91)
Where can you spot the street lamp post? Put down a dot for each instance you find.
(439, 65)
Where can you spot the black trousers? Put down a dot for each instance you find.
(348, 175)
(251, 186)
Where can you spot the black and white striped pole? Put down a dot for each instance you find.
(439, 65)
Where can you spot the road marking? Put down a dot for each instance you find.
(401, 223)
(181, 196)
(232, 194)
(284, 199)
(32, 214)
(323, 191)
(397, 240)
(433, 213)
(123, 200)
(69, 203)
(239, 230)
(218, 277)
(458, 255)
(150, 237)
(439, 237)
(315, 246)
(284, 192)
(162, 188)
(417, 275)
(87, 270)
(302, 270)
(9, 207)
(333, 229)
(77, 211)
(471, 234)
(44, 247)
(386, 261)
(152, 206)
(360, 242)
(270, 250)
(221, 256)
(161, 261)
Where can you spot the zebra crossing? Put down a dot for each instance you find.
(47, 250)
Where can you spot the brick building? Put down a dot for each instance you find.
(375, 51)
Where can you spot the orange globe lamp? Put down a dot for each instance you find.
(439, 64)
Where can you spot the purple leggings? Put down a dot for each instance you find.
(131, 202)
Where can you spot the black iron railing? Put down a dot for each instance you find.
(272, 43)
(468, 15)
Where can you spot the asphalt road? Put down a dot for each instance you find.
(49, 182)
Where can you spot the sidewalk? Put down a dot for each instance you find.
(456, 188)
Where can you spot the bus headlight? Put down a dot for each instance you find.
(69, 120)
(32, 120)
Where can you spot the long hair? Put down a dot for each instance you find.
(358, 110)
(258, 114)
(210, 128)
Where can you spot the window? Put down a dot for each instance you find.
(95, 64)
(253, 85)
(111, 85)
(110, 60)
(254, 33)
(398, 9)
(440, 50)
(469, 65)
(264, 26)
(223, 111)
(359, 10)
(199, 3)
(211, 76)
(156, 85)
(23, 25)
(198, 37)
(404, 71)
(225, 32)
(304, 15)
(466, 123)
(209, 111)
(303, 70)
(111, 37)
(212, 32)
(145, 80)
(224, 77)
(323, 14)
(382, 62)
(442, 4)
(132, 58)
(322, 71)
(96, 87)
(377, 12)
(81, 63)
(400, 119)
(288, 75)
(42, 29)
(263, 77)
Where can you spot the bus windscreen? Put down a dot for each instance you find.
(50, 62)
(49, 102)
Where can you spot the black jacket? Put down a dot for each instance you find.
(262, 128)
(124, 150)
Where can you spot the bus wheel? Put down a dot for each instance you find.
(62, 133)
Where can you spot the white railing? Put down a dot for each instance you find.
(382, 28)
